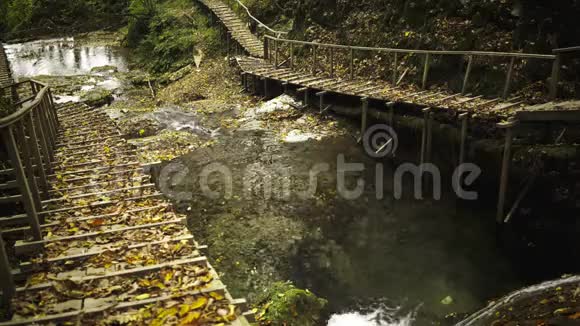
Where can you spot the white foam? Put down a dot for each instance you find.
(380, 317)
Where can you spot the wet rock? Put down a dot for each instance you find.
(97, 97)
(284, 304)
(140, 79)
(139, 126)
(105, 69)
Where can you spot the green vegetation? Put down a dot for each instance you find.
(35, 17)
(166, 34)
(285, 305)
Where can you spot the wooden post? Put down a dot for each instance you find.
(36, 117)
(27, 201)
(314, 60)
(34, 147)
(6, 279)
(429, 138)
(505, 167)
(464, 118)
(33, 87)
(426, 70)
(254, 84)
(27, 157)
(331, 62)
(266, 54)
(351, 63)
(467, 73)
(321, 94)
(51, 110)
(291, 55)
(508, 79)
(555, 77)
(276, 58)
(423, 153)
(391, 108)
(395, 68)
(46, 110)
(53, 107)
(49, 137)
(365, 109)
(265, 87)
(228, 43)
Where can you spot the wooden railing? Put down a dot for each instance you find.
(277, 42)
(28, 139)
(263, 29)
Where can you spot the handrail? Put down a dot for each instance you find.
(435, 52)
(260, 24)
(569, 49)
(555, 60)
(29, 137)
(19, 114)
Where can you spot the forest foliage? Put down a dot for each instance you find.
(167, 34)
(25, 17)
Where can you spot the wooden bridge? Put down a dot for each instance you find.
(92, 238)
(317, 71)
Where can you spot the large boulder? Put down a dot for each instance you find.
(97, 97)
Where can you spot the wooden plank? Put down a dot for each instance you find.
(27, 267)
(467, 100)
(507, 106)
(128, 272)
(543, 116)
(94, 194)
(23, 247)
(120, 306)
(129, 180)
(508, 79)
(100, 204)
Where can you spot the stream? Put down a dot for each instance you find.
(377, 261)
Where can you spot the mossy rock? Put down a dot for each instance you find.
(285, 305)
(140, 79)
(139, 127)
(106, 68)
(176, 75)
(97, 97)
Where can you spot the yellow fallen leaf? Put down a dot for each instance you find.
(143, 296)
(168, 276)
(216, 296)
(190, 318)
(184, 309)
(199, 303)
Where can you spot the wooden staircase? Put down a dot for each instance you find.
(236, 27)
(5, 73)
(112, 248)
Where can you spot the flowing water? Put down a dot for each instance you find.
(380, 262)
